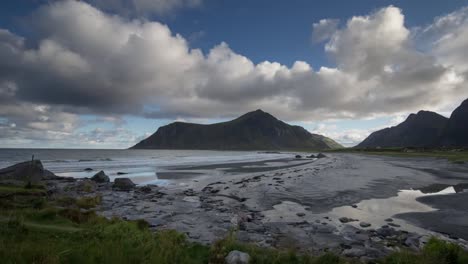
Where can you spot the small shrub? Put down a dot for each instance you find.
(88, 202)
(65, 201)
(39, 203)
(16, 225)
(77, 216)
(142, 224)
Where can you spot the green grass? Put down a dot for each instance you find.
(435, 252)
(62, 232)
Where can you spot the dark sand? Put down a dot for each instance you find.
(176, 175)
(246, 167)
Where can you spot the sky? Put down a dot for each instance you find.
(108, 73)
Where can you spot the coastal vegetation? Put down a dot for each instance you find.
(36, 228)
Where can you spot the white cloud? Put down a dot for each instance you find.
(324, 29)
(88, 61)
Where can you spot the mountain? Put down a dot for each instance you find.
(256, 130)
(423, 129)
(456, 132)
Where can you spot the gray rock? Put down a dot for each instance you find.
(345, 220)
(145, 189)
(393, 224)
(386, 232)
(412, 242)
(354, 252)
(364, 224)
(321, 155)
(88, 169)
(29, 171)
(298, 156)
(123, 184)
(311, 156)
(100, 177)
(237, 257)
(300, 214)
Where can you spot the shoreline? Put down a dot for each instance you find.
(261, 208)
(316, 206)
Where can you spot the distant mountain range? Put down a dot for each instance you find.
(255, 130)
(424, 129)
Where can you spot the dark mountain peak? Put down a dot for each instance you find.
(457, 128)
(257, 115)
(464, 103)
(253, 130)
(424, 116)
(422, 129)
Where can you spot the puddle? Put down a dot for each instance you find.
(376, 211)
(373, 211)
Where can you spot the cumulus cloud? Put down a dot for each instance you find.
(85, 61)
(324, 29)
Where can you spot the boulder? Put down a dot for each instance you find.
(311, 156)
(345, 220)
(321, 155)
(100, 177)
(123, 184)
(364, 224)
(298, 157)
(28, 171)
(145, 189)
(48, 175)
(88, 169)
(237, 257)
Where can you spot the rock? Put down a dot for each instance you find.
(100, 177)
(300, 214)
(412, 242)
(191, 199)
(121, 173)
(311, 156)
(237, 257)
(393, 224)
(123, 184)
(364, 224)
(386, 232)
(354, 252)
(354, 206)
(345, 220)
(298, 157)
(29, 171)
(48, 175)
(389, 220)
(321, 155)
(88, 169)
(145, 189)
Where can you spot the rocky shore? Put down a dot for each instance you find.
(255, 205)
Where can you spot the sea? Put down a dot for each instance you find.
(141, 166)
